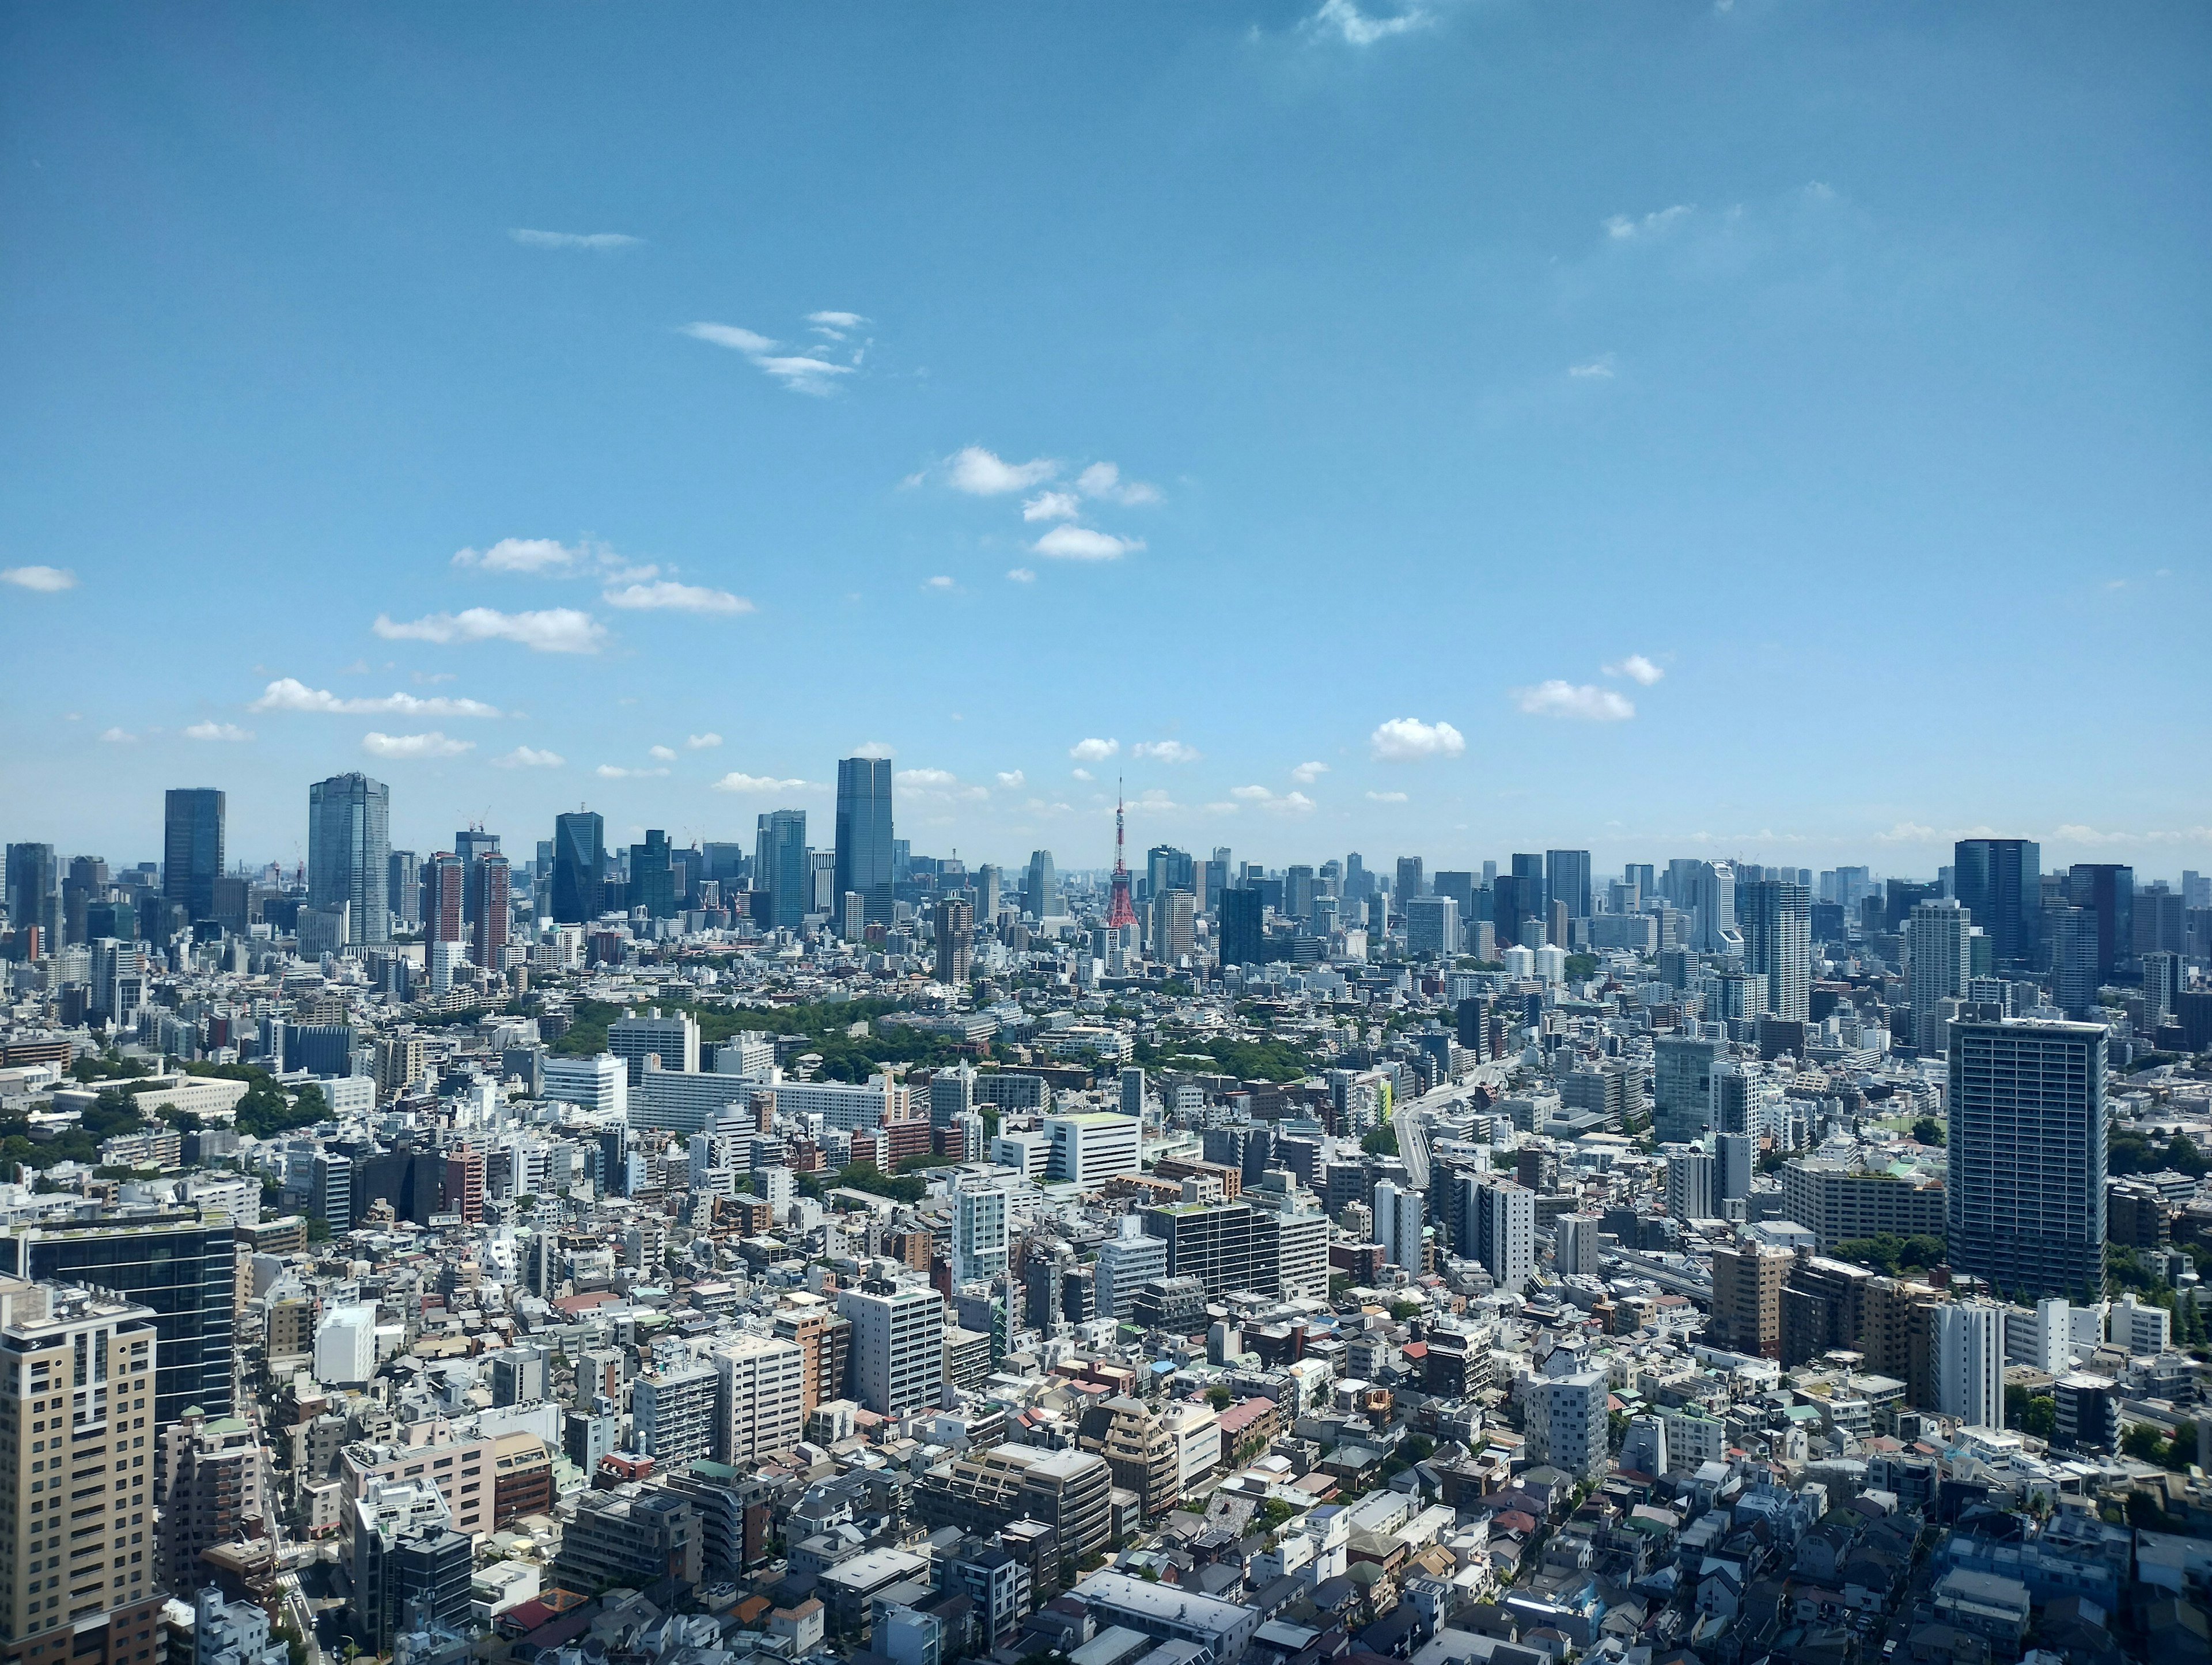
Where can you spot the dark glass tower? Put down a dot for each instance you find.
(2025, 1195)
(1567, 878)
(864, 834)
(2107, 890)
(780, 865)
(191, 849)
(652, 879)
(1242, 942)
(350, 851)
(1999, 882)
(579, 859)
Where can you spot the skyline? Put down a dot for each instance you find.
(1737, 432)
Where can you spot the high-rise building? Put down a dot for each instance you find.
(79, 1360)
(2025, 1191)
(1775, 917)
(780, 867)
(1504, 1229)
(444, 898)
(760, 1404)
(1092, 1146)
(403, 880)
(1567, 879)
(955, 939)
(1710, 902)
(34, 895)
(191, 848)
(1433, 926)
(864, 834)
(898, 1344)
(2071, 935)
(1167, 868)
(1939, 953)
(579, 858)
(652, 875)
(1689, 1184)
(491, 897)
(1998, 881)
(215, 1478)
(1569, 1414)
(348, 853)
(1210, 1241)
(1681, 1087)
(1400, 1215)
(1966, 1361)
(2107, 890)
(1409, 883)
(1746, 1316)
(1244, 934)
(1175, 926)
(979, 1233)
(1041, 886)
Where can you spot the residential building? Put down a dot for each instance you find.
(761, 1397)
(863, 837)
(898, 1344)
(1568, 1424)
(1967, 1362)
(2026, 1154)
(1838, 1203)
(1746, 1316)
(632, 1536)
(673, 1407)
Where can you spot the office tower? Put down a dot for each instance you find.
(1244, 934)
(34, 897)
(1535, 897)
(672, 1036)
(348, 853)
(2024, 1196)
(1093, 1146)
(1167, 868)
(760, 1399)
(1175, 926)
(1999, 882)
(1641, 875)
(1567, 879)
(988, 879)
(578, 866)
(652, 877)
(1746, 1316)
(181, 1264)
(1041, 886)
(1735, 1159)
(1298, 891)
(1568, 1424)
(1940, 962)
(864, 851)
(403, 880)
(955, 939)
(821, 880)
(78, 1359)
(1966, 1361)
(2070, 933)
(1359, 882)
(1711, 908)
(1690, 1184)
(979, 1233)
(780, 866)
(1513, 903)
(1210, 1241)
(191, 848)
(898, 1344)
(1681, 1087)
(1775, 919)
(1460, 887)
(1409, 883)
(2162, 985)
(2107, 890)
(491, 897)
(1400, 1215)
(444, 897)
(1433, 926)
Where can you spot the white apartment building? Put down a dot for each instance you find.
(761, 1400)
(1966, 1361)
(674, 1410)
(1093, 1146)
(1196, 1429)
(979, 1234)
(1131, 1257)
(899, 1345)
(599, 1084)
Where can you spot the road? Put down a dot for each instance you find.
(296, 1609)
(1412, 1118)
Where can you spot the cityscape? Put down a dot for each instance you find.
(1331, 832)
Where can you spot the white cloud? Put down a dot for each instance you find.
(1166, 751)
(663, 753)
(1081, 773)
(737, 782)
(942, 581)
(799, 372)
(1598, 368)
(1291, 803)
(1251, 794)
(873, 748)
(117, 737)
(288, 694)
(833, 325)
(616, 772)
(432, 744)
(668, 595)
(701, 742)
(1407, 739)
(1081, 543)
(1051, 506)
(529, 757)
(982, 474)
(1011, 778)
(523, 555)
(1306, 774)
(1584, 701)
(1355, 28)
(552, 630)
(212, 730)
(1623, 228)
(1104, 480)
(1093, 750)
(926, 777)
(1637, 668)
(1386, 797)
(597, 242)
(1021, 574)
(46, 579)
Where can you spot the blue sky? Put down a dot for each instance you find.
(1773, 430)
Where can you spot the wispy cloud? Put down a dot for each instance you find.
(701, 742)
(1166, 751)
(941, 581)
(1584, 701)
(213, 730)
(1597, 369)
(926, 777)
(596, 242)
(1066, 543)
(552, 630)
(1386, 797)
(835, 326)
(666, 595)
(48, 580)
(1408, 740)
(1623, 228)
(1289, 803)
(665, 754)
(117, 737)
(982, 473)
(525, 555)
(1021, 574)
(288, 694)
(529, 757)
(1636, 668)
(876, 749)
(802, 371)
(1093, 750)
(1344, 21)
(1051, 506)
(736, 780)
(432, 744)
(1306, 774)
(616, 772)
(1012, 778)
(1104, 481)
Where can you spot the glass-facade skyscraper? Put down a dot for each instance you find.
(864, 835)
(191, 849)
(1567, 878)
(1999, 882)
(350, 853)
(579, 863)
(1776, 918)
(780, 866)
(2107, 890)
(34, 893)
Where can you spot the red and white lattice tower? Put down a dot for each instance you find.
(1120, 912)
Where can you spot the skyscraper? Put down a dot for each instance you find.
(955, 939)
(578, 866)
(651, 878)
(1243, 935)
(490, 901)
(402, 882)
(1567, 878)
(780, 866)
(1409, 883)
(348, 853)
(863, 833)
(34, 895)
(444, 898)
(1041, 886)
(191, 848)
(1999, 882)
(1711, 902)
(2024, 1197)
(2107, 890)
(1775, 917)
(1940, 961)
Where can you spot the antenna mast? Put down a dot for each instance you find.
(1121, 913)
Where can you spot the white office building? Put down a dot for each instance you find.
(345, 1346)
(979, 1234)
(1126, 1260)
(680, 1102)
(1400, 1215)
(899, 1345)
(1027, 1151)
(600, 1083)
(674, 1039)
(1093, 1146)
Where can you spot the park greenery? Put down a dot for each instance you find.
(1892, 1253)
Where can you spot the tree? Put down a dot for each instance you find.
(2143, 1443)
(1220, 1398)
(1927, 1131)
(1382, 1142)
